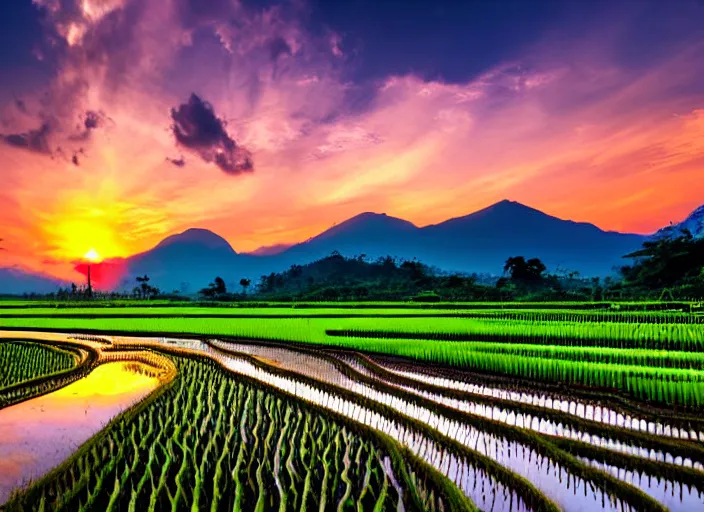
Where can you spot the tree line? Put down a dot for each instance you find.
(665, 268)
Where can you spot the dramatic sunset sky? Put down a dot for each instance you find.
(124, 121)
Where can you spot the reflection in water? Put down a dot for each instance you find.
(675, 496)
(505, 414)
(598, 413)
(488, 494)
(37, 435)
(569, 491)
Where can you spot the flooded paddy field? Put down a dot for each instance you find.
(40, 433)
(320, 412)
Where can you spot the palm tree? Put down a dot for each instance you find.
(144, 285)
(515, 266)
(219, 286)
(244, 283)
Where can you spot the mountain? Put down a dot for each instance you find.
(482, 241)
(14, 281)
(185, 262)
(373, 234)
(694, 223)
(270, 250)
(479, 242)
(195, 238)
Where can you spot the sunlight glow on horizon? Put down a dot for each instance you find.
(92, 256)
(569, 126)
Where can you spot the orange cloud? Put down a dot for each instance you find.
(570, 132)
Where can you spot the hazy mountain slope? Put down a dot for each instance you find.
(14, 281)
(483, 240)
(373, 234)
(270, 250)
(480, 242)
(186, 262)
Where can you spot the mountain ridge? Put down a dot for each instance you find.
(17, 281)
(196, 236)
(479, 242)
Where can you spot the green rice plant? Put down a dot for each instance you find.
(180, 451)
(21, 361)
(53, 368)
(647, 361)
(277, 311)
(655, 336)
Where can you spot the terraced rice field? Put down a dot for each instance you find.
(276, 408)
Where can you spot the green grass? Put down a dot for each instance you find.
(200, 311)
(632, 372)
(616, 306)
(671, 336)
(513, 315)
(659, 360)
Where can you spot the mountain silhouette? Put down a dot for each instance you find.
(15, 281)
(185, 262)
(372, 234)
(269, 250)
(485, 239)
(479, 242)
(196, 238)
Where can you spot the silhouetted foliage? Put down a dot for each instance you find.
(220, 287)
(338, 278)
(145, 290)
(215, 290)
(671, 266)
(523, 271)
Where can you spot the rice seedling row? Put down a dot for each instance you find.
(490, 485)
(21, 361)
(560, 404)
(679, 387)
(557, 425)
(532, 315)
(515, 451)
(210, 440)
(519, 409)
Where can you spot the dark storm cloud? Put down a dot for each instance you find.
(92, 120)
(198, 129)
(33, 140)
(278, 47)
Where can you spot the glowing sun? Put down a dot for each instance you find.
(92, 255)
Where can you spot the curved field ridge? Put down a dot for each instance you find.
(483, 454)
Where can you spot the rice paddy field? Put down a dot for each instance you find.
(370, 406)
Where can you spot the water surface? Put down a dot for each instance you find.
(39, 434)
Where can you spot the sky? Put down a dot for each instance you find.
(125, 121)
